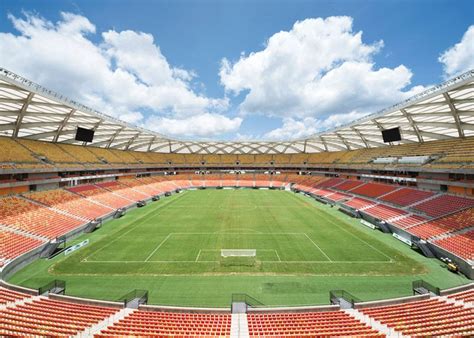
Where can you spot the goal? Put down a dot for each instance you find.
(238, 253)
(238, 258)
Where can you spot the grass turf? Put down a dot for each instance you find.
(172, 248)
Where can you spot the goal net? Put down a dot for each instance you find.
(238, 253)
(238, 258)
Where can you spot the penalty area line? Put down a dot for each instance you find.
(156, 249)
(317, 246)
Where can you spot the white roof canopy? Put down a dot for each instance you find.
(28, 110)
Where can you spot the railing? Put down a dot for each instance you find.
(336, 295)
(56, 286)
(421, 284)
(139, 296)
(244, 298)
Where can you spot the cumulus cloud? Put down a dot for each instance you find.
(122, 74)
(299, 128)
(201, 125)
(460, 57)
(317, 68)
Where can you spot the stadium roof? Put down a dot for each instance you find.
(31, 111)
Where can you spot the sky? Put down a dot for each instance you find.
(237, 70)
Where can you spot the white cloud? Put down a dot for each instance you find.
(319, 67)
(460, 57)
(293, 128)
(121, 74)
(201, 125)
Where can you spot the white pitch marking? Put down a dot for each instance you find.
(197, 257)
(156, 249)
(317, 246)
(278, 255)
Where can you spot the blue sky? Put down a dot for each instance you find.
(237, 69)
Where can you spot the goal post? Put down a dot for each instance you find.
(238, 253)
(238, 258)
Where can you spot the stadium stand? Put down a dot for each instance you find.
(46, 317)
(465, 296)
(348, 185)
(408, 221)
(150, 323)
(124, 191)
(444, 204)
(101, 196)
(406, 196)
(71, 203)
(459, 244)
(432, 317)
(10, 296)
(359, 203)
(29, 217)
(384, 212)
(373, 189)
(315, 324)
(13, 244)
(456, 221)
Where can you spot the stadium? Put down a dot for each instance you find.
(112, 229)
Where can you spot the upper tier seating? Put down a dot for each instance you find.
(13, 245)
(46, 317)
(444, 204)
(12, 153)
(461, 245)
(9, 296)
(167, 324)
(373, 189)
(314, 324)
(102, 196)
(465, 296)
(71, 203)
(50, 150)
(443, 225)
(430, 317)
(406, 196)
(30, 217)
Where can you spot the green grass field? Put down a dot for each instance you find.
(173, 249)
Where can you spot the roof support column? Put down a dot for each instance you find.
(455, 114)
(19, 118)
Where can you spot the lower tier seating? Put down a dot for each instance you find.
(71, 203)
(46, 317)
(408, 221)
(359, 203)
(102, 196)
(165, 324)
(384, 212)
(444, 204)
(461, 245)
(406, 196)
(9, 296)
(373, 189)
(432, 317)
(29, 217)
(444, 225)
(13, 245)
(465, 296)
(332, 323)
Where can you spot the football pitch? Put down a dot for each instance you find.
(172, 248)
